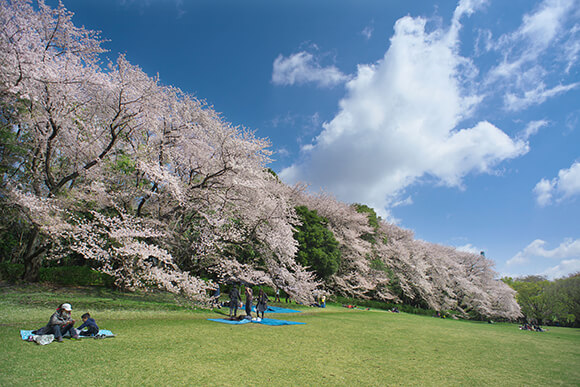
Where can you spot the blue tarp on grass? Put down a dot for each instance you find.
(264, 321)
(276, 309)
(26, 334)
(226, 321)
(275, 322)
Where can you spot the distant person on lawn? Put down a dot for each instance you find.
(249, 298)
(90, 324)
(59, 324)
(216, 296)
(234, 301)
(262, 305)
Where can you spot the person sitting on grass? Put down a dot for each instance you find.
(90, 324)
(59, 324)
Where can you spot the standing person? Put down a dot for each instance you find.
(90, 323)
(60, 323)
(249, 297)
(216, 296)
(234, 300)
(277, 299)
(262, 303)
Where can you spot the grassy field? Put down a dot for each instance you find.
(161, 343)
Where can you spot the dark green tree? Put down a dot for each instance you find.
(374, 222)
(564, 294)
(374, 219)
(318, 249)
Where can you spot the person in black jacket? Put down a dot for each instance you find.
(59, 324)
(90, 323)
(234, 301)
(262, 305)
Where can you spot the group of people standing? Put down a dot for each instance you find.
(236, 299)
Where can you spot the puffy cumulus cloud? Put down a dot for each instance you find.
(398, 123)
(568, 252)
(564, 186)
(302, 68)
(543, 191)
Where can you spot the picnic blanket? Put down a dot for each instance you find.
(264, 321)
(25, 334)
(276, 309)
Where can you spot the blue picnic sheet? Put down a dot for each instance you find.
(25, 334)
(275, 322)
(264, 321)
(274, 309)
(226, 321)
(277, 309)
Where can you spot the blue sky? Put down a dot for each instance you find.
(457, 120)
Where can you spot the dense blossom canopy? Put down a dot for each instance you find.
(104, 163)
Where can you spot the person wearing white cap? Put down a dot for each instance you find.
(60, 323)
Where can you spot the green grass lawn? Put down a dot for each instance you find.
(161, 343)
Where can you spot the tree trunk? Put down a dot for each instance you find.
(32, 258)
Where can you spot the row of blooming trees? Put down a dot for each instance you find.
(382, 261)
(145, 182)
(102, 163)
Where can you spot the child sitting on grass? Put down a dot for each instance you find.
(89, 322)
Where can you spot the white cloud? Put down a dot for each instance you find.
(302, 68)
(572, 48)
(564, 268)
(569, 181)
(535, 96)
(565, 186)
(367, 32)
(399, 121)
(283, 152)
(469, 248)
(403, 202)
(568, 254)
(544, 44)
(467, 7)
(532, 128)
(543, 191)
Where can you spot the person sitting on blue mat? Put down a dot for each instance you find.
(89, 322)
(59, 324)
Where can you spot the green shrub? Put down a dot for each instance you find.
(383, 305)
(75, 276)
(63, 275)
(11, 272)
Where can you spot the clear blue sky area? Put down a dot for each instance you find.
(457, 120)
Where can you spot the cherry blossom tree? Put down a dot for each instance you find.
(155, 188)
(111, 152)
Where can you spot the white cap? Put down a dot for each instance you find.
(66, 307)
